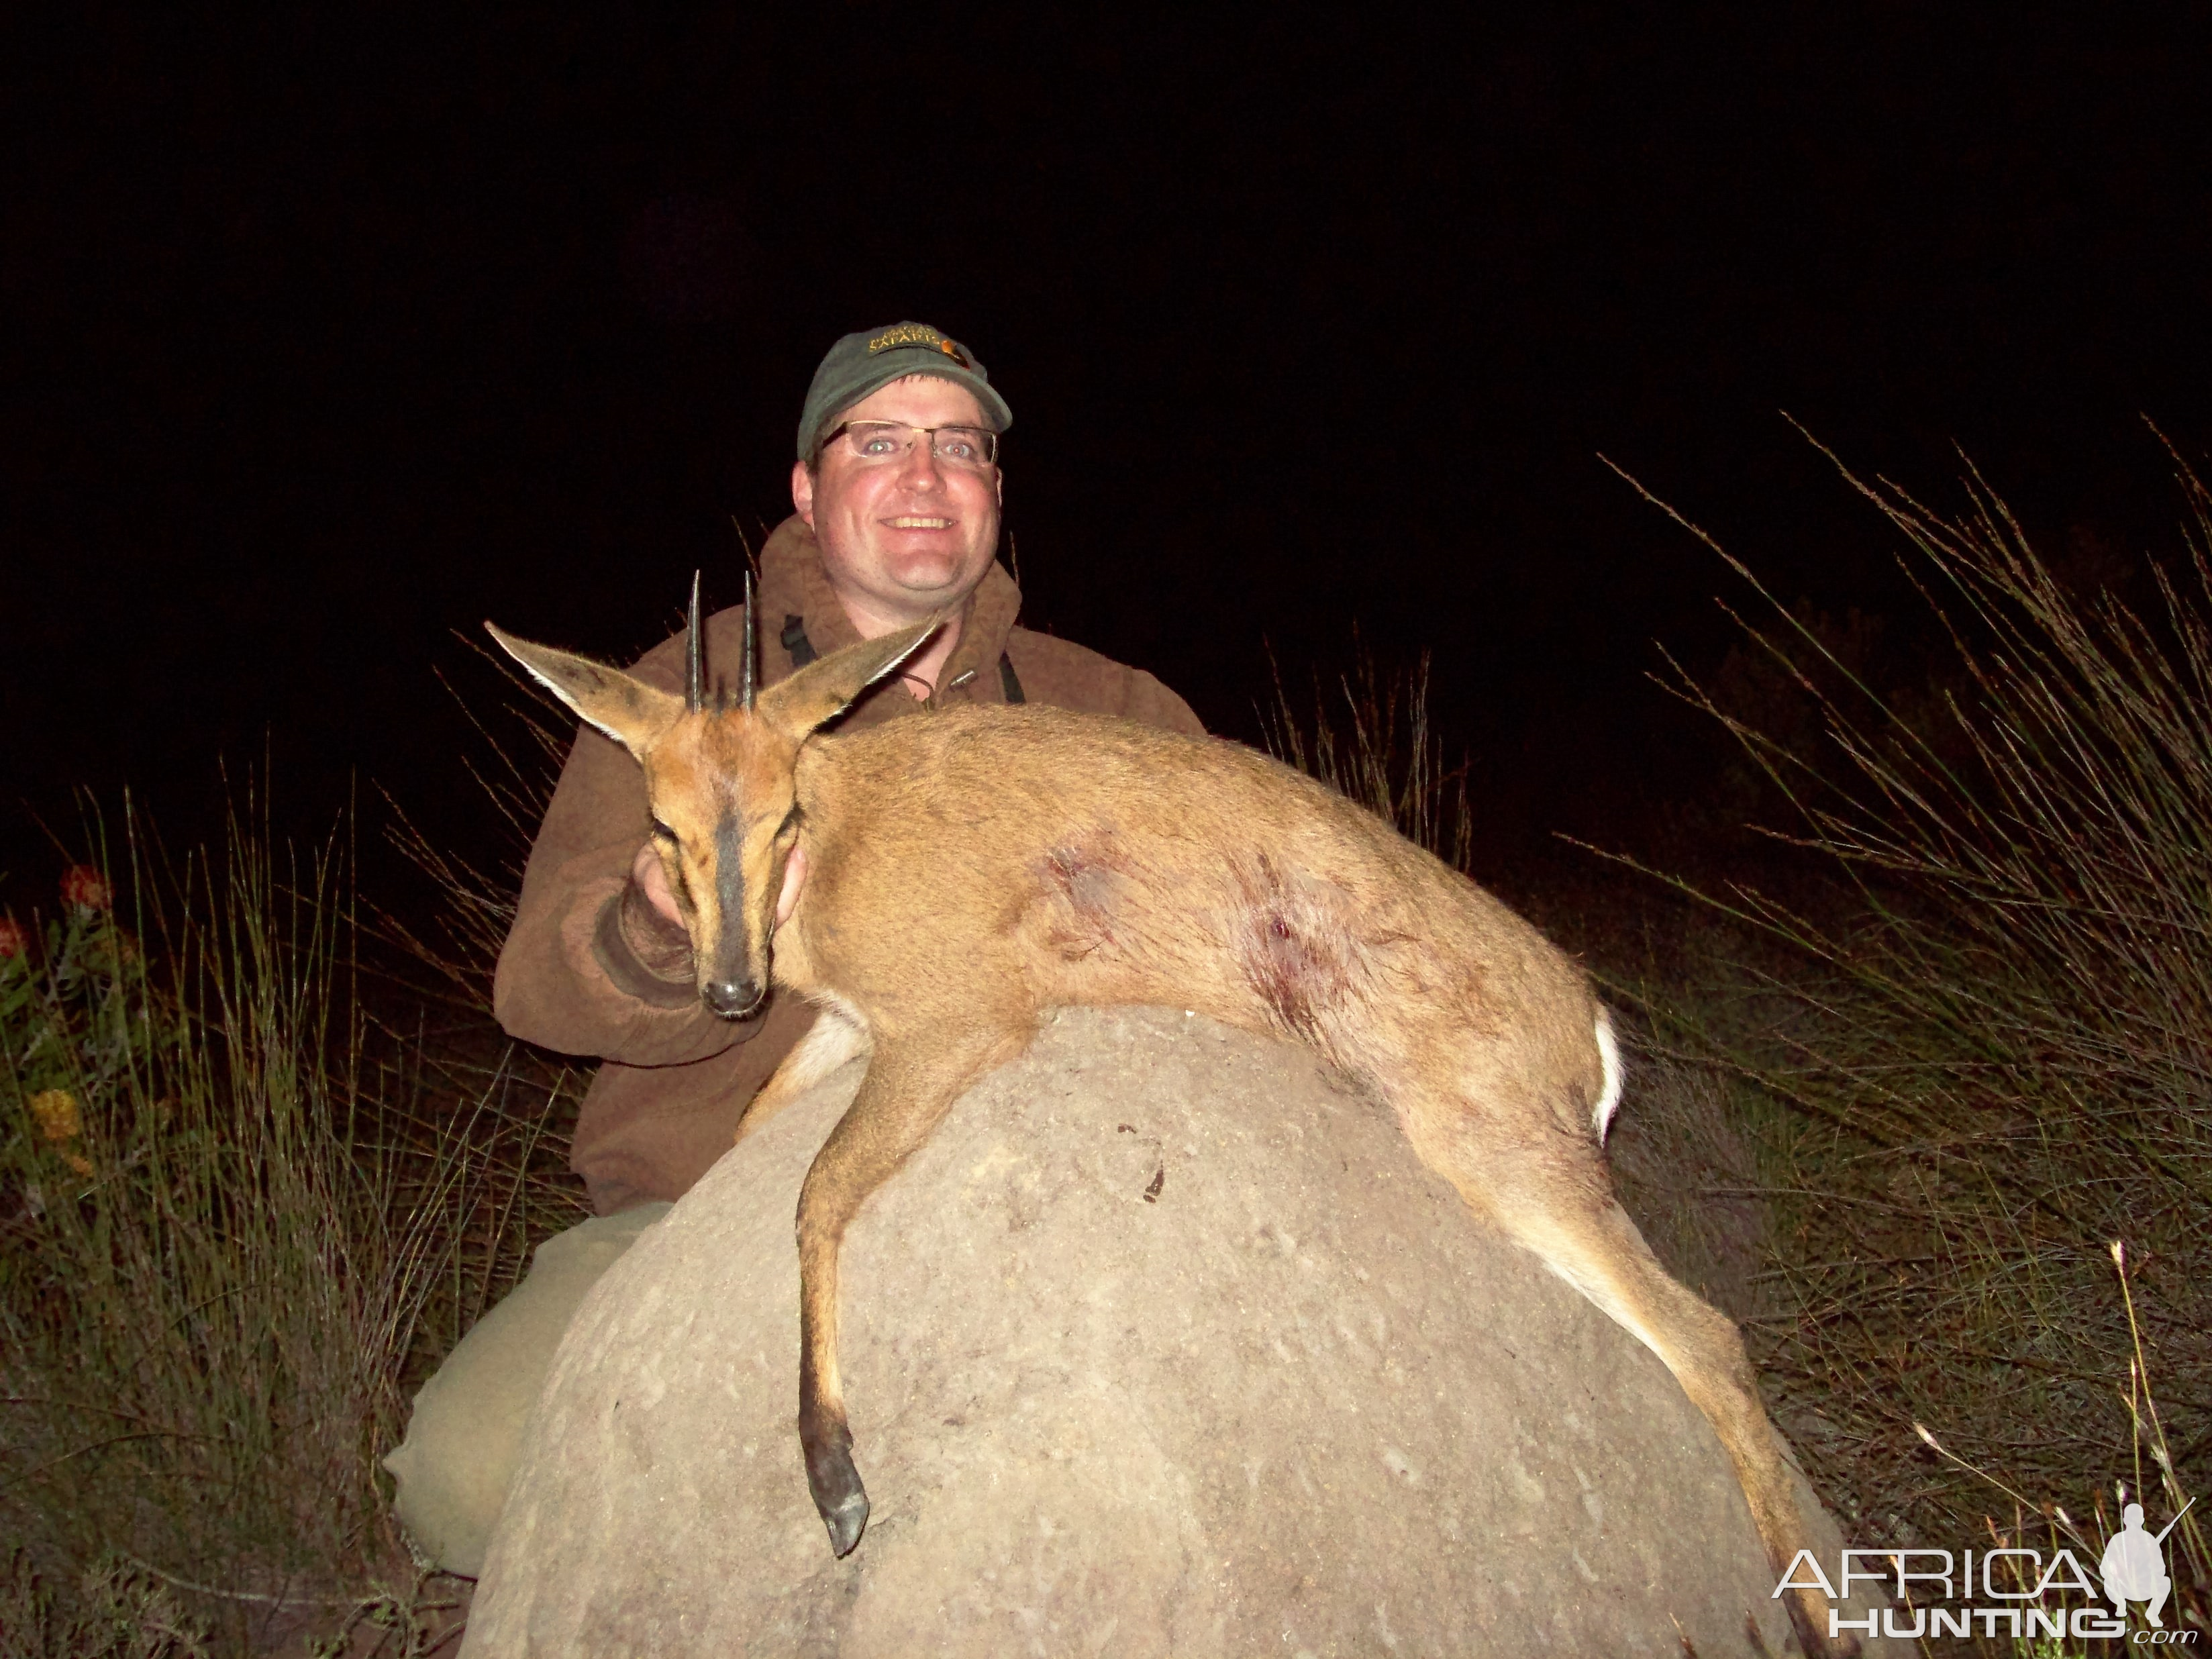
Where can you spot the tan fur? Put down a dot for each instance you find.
(969, 870)
(837, 1035)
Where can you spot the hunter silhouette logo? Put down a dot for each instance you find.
(2135, 1567)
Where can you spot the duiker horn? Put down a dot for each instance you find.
(748, 671)
(695, 656)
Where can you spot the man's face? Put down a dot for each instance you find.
(902, 540)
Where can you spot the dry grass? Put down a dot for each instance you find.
(1372, 742)
(240, 1222)
(1987, 1003)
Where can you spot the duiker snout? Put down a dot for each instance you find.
(733, 996)
(733, 978)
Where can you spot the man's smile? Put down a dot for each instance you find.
(914, 521)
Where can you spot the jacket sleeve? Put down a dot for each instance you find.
(590, 968)
(1148, 700)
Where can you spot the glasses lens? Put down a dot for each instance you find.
(878, 441)
(966, 446)
(953, 445)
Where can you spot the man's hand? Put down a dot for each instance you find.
(653, 881)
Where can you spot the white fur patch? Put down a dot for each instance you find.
(839, 1035)
(1609, 1054)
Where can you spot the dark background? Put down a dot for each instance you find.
(325, 336)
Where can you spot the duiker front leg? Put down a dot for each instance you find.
(835, 1036)
(911, 1082)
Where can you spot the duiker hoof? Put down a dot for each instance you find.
(846, 1520)
(839, 1497)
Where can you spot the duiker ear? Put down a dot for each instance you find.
(627, 710)
(822, 691)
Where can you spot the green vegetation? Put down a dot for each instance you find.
(237, 1220)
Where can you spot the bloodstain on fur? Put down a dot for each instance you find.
(1084, 883)
(1294, 952)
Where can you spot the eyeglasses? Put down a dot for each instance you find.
(874, 443)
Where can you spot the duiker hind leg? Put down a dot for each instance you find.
(911, 1082)
(1553, 1198)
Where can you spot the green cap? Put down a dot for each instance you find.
(861, 363)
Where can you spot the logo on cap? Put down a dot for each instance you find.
(917, 334)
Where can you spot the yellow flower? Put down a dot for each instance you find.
(57, 1112)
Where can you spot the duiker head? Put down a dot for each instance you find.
(720, 779)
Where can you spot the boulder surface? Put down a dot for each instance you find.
(1164, 1343)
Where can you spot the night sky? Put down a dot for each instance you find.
(326, 337)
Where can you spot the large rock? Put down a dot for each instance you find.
(1162, 1345)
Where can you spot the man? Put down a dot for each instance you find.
(897, 493)
(2133, 1570)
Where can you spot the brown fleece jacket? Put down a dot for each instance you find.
(592, 969)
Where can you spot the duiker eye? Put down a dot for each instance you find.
(662, 832)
